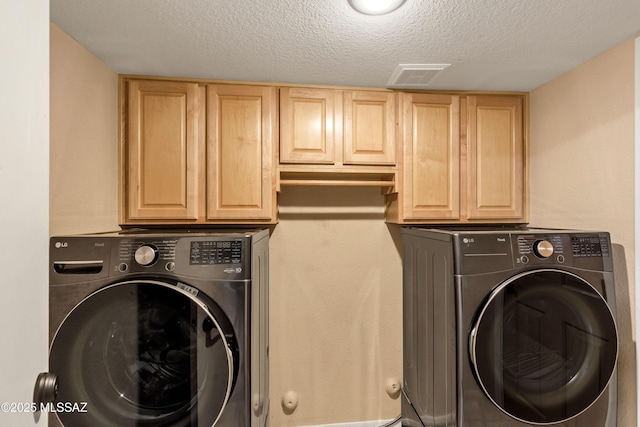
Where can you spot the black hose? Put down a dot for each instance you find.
(392, 422)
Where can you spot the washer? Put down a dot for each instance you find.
(508, 328)
(152, 328)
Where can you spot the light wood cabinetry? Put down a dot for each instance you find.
(197, 154)
(308, 125)
(329, 133)
(240, 139)
(370, 128)
(495, 158)
(337, 127)
(431, 156)
(464, 160)
(162, 151)
(204, 152)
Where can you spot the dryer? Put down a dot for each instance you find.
(508, 327)
(151, 327)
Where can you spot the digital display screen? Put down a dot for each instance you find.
(208, 252)
(589, 246)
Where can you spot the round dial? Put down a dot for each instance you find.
(146, 255)
(543, 248)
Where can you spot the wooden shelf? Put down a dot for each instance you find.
(345, 177)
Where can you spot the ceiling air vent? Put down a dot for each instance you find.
(415, 76)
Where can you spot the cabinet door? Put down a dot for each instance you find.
(240, 170)
(495, 168)
(162, 151)
(307, 124)
(370, 127)
(431, 163)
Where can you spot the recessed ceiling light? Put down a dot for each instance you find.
(375, 7)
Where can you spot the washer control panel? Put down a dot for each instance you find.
(561, 248)
(164, 254)
(481, 250)
(181, 254)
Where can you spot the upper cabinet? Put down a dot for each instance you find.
(495, 158)
(431, 161)
(197, 154)
(337, 127)
(203, 152)
(240, 162)
(464, 160)
(309, 125)
(370, 128)
(161, 151)
(338, 137)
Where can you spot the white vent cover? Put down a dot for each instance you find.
(415, 75)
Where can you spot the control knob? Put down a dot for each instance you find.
(146, 255)
(543, 249)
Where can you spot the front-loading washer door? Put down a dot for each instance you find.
(142, 353)
(543, 346)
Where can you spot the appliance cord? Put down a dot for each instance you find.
(392, 422)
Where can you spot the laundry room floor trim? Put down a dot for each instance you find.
(359, 424)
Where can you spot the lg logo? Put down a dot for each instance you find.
(61, 245)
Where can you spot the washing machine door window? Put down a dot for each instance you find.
(544, 346)
(143, 353)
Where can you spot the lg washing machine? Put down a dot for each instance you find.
(151, 328)
(508, 328)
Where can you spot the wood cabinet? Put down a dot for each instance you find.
(337, 127)
(431, 156)
(162, 151)
(308, 125)
(240, 139)
(495, 158)
(370, 128)
(197, 154)
(464, 160)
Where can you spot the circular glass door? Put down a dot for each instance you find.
(143, 353)
(543, 346)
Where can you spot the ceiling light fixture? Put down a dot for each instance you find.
(375, 7)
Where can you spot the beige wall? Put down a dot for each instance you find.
(582, 175)
(83, 139)
(336, 306)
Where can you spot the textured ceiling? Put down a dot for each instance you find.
(490, 44)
